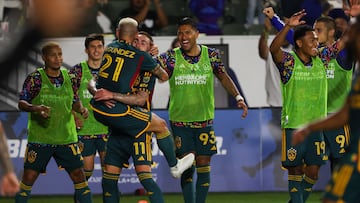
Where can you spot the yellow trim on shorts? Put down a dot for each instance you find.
(283, 145)
(138, 114)
(110, 114)
(347, 134)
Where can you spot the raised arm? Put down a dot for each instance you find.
(278, 24)
(275, 47)
(263, 48)
(141, 15)
(162, 19)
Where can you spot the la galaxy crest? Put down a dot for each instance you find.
(31, 156)
(146, 78)
(178, 142)
(291, 154)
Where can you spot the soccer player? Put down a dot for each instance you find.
(342, 186)
(144, 42)
(304, 92)
(49, 96)
(91, 133)
(123, 64)
(339, 75)
(191, 109)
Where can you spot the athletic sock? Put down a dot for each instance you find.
(295, 188)
(88, 174)
(307, 185)
(152, 189)
(82, 192)
(166, 145)
(187, 185)
(202, 183)
(24, 194)
(110, 188)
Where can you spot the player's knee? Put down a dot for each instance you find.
(161, 126)
(295, 170)
(77, 175)
(203, 160)
(143, 168)
(30, 176)
(312, 172)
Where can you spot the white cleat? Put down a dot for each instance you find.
(182, 164)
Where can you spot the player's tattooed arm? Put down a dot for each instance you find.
(160, 73)
(138, 98)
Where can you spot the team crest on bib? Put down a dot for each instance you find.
(146, 79)
(178, 142)
(31, 156)
(81, 146)
(291, 154)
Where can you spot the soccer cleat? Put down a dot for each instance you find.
(182, 164)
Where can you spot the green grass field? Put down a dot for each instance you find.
(241, 197)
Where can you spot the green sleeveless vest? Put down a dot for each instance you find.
(339, 84)
(59, 128)
(90, 125)
(192, 89)
(305, 94)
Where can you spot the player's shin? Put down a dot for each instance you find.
(24, 194)
(295, 188)
(153, 190)
(307, 185)
(82, 192)
(202, 183)
(110, 188)
(166, 145)
(187, 185)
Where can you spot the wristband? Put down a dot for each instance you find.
(239, 97)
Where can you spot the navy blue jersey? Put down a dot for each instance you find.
(121, 65)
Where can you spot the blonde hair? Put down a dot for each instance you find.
(47, 46)
(127, 27)
(127, 21)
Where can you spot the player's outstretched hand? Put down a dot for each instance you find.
(353, 9)
(295, 19)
